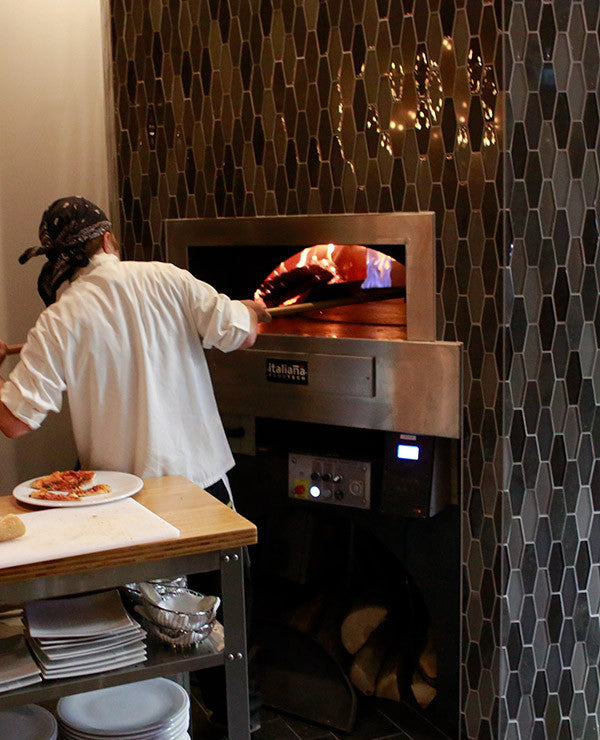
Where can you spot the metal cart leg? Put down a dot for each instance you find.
(236, 659)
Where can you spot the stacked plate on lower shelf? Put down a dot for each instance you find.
(83, 635)
(17, 667)
(28, 723)
(157, 709)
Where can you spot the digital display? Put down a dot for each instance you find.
(407, 452)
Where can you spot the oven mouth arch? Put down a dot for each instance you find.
(414, 230)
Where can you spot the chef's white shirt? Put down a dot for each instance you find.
(126, 341)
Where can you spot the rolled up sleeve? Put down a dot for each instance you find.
(35, 387)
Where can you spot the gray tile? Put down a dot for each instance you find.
(553, 37)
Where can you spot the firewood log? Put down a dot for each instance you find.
(428, 661)
(387, 686)
(368, 661)
(395, 675)
(425, 675)
(423, 691)
(359, 623)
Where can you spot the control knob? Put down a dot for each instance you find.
(356, 488)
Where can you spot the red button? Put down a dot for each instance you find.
(300, 491)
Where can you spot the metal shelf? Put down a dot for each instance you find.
(162, 660)
(211, 539)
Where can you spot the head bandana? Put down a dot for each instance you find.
(66, 227)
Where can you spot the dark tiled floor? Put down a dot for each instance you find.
(376, 720)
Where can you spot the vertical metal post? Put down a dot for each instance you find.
(236, 657)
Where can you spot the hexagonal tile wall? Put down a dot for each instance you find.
(552, 400)
(265, 107)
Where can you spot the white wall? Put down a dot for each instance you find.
(52, 144)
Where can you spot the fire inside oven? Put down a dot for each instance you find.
(319, 290)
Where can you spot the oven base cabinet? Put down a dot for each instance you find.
(209, 546)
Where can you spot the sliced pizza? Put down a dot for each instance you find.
(67, 485)
(53, 496)
(64, 480)
(98, 488)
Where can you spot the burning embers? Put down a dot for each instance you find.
(330, 271)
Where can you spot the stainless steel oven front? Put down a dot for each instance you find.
(362, 373)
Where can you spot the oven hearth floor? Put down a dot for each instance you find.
(376, 720)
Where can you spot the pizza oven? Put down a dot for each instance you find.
(344, 416)
(361, 351)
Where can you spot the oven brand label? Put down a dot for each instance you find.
(294, 372)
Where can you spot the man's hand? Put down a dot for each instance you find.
(262, 315)
(258, 313)
(9, 424)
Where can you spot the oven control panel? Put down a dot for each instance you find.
(329, 480)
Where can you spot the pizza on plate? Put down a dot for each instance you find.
(66, 485)
(64, 480)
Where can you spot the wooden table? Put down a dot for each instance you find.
(211, 538)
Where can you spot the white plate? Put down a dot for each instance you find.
(89, 649)
(78, 616)
(92, 644)
(127, 709)
(71, 735)
(110, 665)
(54, 643)
(83, 661)
(29, 721)
(21, 683)
(175, 731)
(121, 485)
(16, 661)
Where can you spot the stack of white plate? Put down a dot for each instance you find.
(83, 635)
(157, 709)
(17, 667)
(28, 723)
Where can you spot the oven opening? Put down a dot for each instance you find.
(319, 290)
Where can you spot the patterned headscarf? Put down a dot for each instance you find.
(66, 227)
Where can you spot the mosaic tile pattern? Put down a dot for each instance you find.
(550, 639)
(263, 107)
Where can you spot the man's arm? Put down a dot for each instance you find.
(10, 426)
(258, 313)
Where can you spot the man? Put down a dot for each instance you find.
(126, 341)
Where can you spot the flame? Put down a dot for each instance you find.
(379, 270)
(322, 255)
(344, 262)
